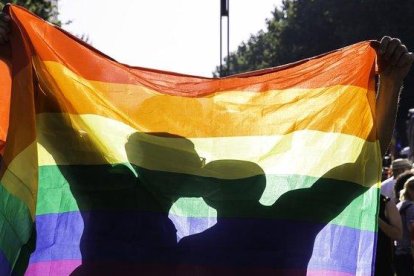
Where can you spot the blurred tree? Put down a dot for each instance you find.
(46, 9)
(305, 28)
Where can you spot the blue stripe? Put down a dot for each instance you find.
(151, 238)
(5, 268)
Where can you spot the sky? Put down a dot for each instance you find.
(174, 35)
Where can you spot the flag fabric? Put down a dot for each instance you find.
(109, 169)
(5, 85)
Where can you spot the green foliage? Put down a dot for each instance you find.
(305, 28)
(45, 9)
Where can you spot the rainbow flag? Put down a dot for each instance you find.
(109, 169)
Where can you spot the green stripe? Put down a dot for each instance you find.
(308, 204)
(106, 187)
(15, 225)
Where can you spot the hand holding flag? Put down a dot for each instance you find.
(394, 60)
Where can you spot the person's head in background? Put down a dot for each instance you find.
(398, 166)
(400, 181)
(408, 192)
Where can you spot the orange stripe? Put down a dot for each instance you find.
(5, 92)
(341, 109)
(231, 113)
(21, 132)
(347, 66)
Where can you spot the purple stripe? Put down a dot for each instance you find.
(151, 238)
(5, 268)
(67, 267)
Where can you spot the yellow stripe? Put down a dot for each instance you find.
(20, 177)
(311, 153)
(229, 113)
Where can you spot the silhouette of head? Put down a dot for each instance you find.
(164, 162)
(162, 152)
(230, 189)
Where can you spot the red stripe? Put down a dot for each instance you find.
(349, 65)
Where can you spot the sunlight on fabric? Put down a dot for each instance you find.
(187, 223)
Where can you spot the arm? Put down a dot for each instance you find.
(394, 62)
(393, 229)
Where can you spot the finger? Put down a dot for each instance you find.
(4, 18)
(375, 44)
(4, 35)
(392, 45)
(398, 53)
(4, 28)
(406, 60)
(384, 44)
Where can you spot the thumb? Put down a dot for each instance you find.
(375, 44)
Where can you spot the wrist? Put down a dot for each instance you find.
(390, 88)
(391, 83)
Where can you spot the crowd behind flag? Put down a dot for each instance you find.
(125, 170)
